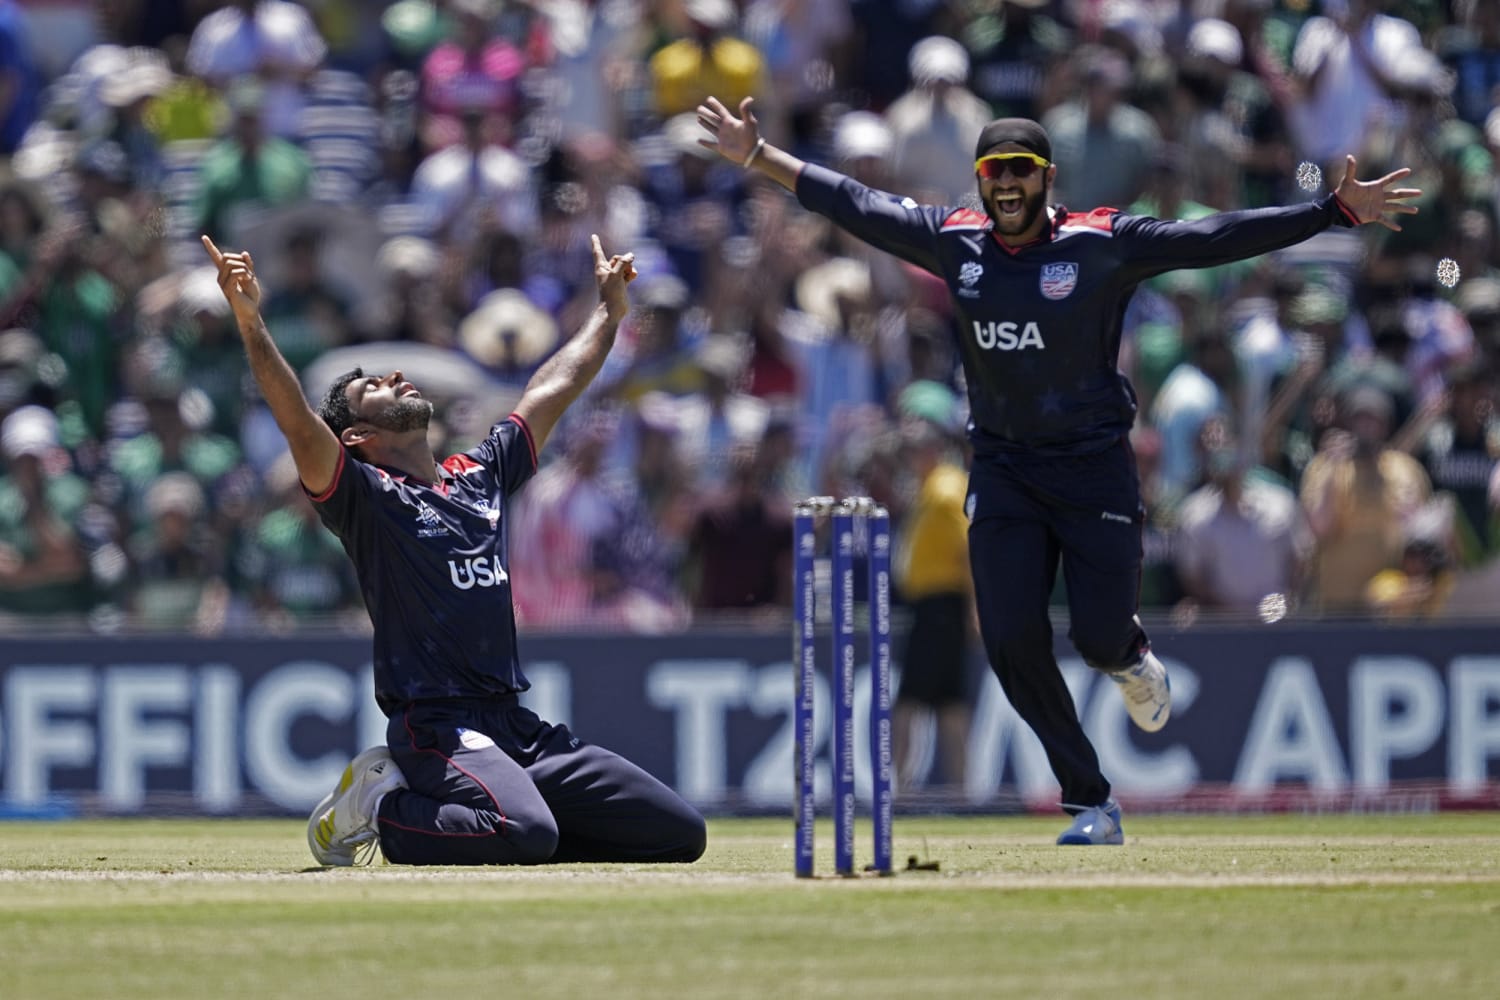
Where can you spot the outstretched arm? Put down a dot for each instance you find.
(739, 140)
(567, 373)
(1155, 246)
(315, 448)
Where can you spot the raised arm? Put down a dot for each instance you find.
(886, 221)
(315, 448)
(567, 373)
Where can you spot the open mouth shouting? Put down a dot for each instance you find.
(1009, 205)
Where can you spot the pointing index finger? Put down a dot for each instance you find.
(599, 257)
(213, 252)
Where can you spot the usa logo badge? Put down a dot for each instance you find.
(1059, 280)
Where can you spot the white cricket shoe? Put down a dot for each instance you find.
(1096, 826)
(341, 830)
(1147, 692)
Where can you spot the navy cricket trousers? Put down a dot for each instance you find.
(492, 784)
(1029, 513)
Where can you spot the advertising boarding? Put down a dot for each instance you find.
(1285, 716)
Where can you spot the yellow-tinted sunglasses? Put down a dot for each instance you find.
(1021, 165)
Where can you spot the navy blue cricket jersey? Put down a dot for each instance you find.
(1039, 325)
(432, 565)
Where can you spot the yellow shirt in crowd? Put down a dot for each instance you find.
(1370, 504)
(682, 72)
(934, 555)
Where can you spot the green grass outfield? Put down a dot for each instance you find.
(1326, 907)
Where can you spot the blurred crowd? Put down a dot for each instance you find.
(418, 181)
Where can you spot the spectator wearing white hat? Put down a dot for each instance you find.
(1346, 69)
(274, 41)
(44, 566)
(1208, 132)
(862, 147)
(409, 305)
(691, 200)
(1259, 98)
(20, 353)
(933, 123)
(129, 94)
(191, 323)
(463, 186)
(711, 423)
(509, 334)
(177, 564)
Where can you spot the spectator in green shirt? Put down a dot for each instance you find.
(248, 168)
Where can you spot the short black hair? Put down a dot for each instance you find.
(335, 409)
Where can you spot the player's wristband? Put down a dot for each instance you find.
(759, 145)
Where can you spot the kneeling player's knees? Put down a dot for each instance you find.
(692, 839)
(514, 839)
(530, 840)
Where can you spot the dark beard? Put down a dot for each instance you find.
(403, 415)
(1031, 207)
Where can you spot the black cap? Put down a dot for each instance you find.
(1021, 131)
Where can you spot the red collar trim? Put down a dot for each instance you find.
(441, 485)
(1053, 217)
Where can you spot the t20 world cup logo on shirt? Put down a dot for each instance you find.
(1059, 280)
(968, 277)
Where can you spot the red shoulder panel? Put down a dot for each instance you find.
(459, 464)
(966, 218)
(1102, 219)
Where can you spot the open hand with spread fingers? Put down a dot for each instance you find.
(733, 138)
(1378, 200)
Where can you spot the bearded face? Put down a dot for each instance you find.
(1015, 210)
(409, 413)
(1014, 184)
